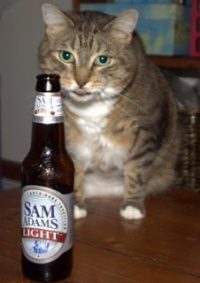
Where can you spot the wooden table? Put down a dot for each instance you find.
(163, 248)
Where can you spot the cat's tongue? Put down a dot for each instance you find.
(81, 92)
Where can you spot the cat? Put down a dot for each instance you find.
(121, 128)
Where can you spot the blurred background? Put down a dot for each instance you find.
(170, 30)
(21, 29)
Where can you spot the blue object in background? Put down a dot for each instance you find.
(146, 11)
(164, 28)
(164, 37)
(187, 2)
(148, 1)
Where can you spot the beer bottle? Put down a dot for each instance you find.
(47, 190)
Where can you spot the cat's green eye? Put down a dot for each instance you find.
(66, 56)
(102, 60)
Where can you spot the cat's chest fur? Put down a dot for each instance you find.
(98, 147)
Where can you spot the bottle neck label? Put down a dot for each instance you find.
(46, 223)
(48, 108)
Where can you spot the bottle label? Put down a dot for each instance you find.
(48, 108)
(46, 223)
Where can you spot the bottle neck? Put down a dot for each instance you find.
(48, 125)
(49, 136)
(48, 108)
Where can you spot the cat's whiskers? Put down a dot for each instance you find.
(134, 103)
(123, 109)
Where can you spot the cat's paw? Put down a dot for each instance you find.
(130, 212)
(79, 212)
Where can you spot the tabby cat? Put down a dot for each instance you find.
(120, 114)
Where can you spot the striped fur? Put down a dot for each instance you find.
(120, 118)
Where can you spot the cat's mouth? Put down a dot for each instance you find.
(81, 95)
(81, 92)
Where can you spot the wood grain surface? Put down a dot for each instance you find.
(164, 247)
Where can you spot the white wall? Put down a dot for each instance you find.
(21, 29)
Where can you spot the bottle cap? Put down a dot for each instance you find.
(48, 83)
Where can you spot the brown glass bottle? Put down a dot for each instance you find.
(47, 190)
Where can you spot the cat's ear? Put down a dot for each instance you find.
(123, 25)
(55, 19)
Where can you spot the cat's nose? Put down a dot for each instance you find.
(81, 82)
(82, 75)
